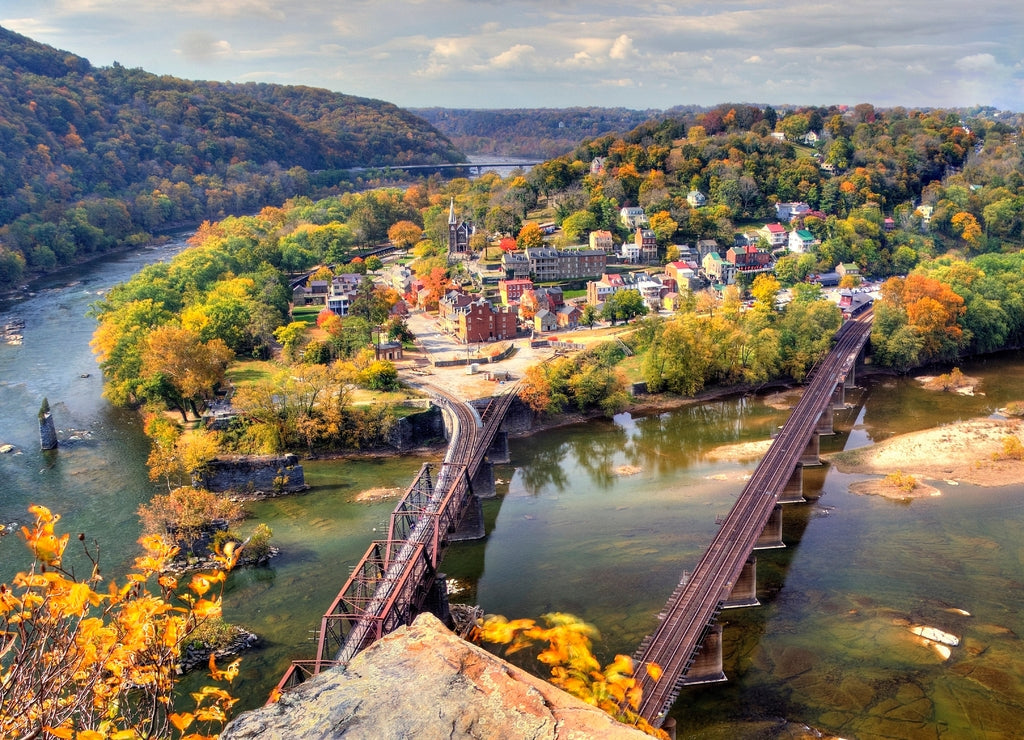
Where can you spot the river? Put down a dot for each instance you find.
(600, 520)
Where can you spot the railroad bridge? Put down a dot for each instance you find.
(398, 578)
(687, 643)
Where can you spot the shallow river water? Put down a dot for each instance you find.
(600, 520)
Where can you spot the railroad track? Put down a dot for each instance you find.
(695, 604)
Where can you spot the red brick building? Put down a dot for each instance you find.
(512, 290)
(474, 320)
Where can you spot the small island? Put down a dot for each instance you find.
(982, 452)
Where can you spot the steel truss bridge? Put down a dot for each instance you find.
(397, 578)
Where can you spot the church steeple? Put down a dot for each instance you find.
(458, 233)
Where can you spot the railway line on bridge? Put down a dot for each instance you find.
(397, 577)
(693, 608)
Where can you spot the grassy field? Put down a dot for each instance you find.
(247, 372)
(306, 314)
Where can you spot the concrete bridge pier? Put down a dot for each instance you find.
(707, 663)
(744, 591)
(825, 423)
(483, 482)
(793, 493)
(436, 601)
(812, 452)
(771, 536)
(498, 451)
(839, 397)
(472, 525)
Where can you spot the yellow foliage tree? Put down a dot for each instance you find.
(85, 662)
(574, 669)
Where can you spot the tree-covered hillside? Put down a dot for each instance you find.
(91, 157)
(530, 132)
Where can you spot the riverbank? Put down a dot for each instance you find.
(965, 452)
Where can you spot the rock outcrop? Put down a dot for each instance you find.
(423, 682)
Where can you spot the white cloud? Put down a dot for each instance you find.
(978, 63)
(513, 57)
(200, 46)
(622, 48)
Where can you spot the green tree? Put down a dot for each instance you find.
(291, 336)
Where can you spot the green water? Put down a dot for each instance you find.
(600, 520)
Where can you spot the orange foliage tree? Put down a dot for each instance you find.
(574, 669)
(87, 660)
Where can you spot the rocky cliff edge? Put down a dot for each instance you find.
(424, 682)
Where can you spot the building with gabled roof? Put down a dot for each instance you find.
(474, 320)
(458, 234)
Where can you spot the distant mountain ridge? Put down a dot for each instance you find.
(531, 132)
(75, 137)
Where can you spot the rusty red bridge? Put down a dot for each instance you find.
(398, 579)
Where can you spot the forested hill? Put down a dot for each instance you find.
(90, 156)
(533, 132)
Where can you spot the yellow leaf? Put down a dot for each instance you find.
(654, 671)
(182, 721)
(64, 733)
(205, 608)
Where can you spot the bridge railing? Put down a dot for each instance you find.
(383, 593)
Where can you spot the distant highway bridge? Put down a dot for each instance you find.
(472, 167)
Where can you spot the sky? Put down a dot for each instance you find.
(558, 53)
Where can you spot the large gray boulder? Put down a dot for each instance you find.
(423, 682)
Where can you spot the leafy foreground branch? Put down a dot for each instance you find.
(574, 668)
(80, 662)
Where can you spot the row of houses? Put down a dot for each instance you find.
(336, 294)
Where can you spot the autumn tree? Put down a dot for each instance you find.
(175, 457)
(184, 371)
(405, 234)
(663, 226)
(530, 236)
(436, 283)
(917, 321)
(90, 658)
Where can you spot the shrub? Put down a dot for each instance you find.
(1013, 449)
(901, 481)
(187, 512)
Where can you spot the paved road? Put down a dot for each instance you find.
(437, 345)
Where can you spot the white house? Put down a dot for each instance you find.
(789, 211)
(632, 217)
(696, 199)
(801, 240)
